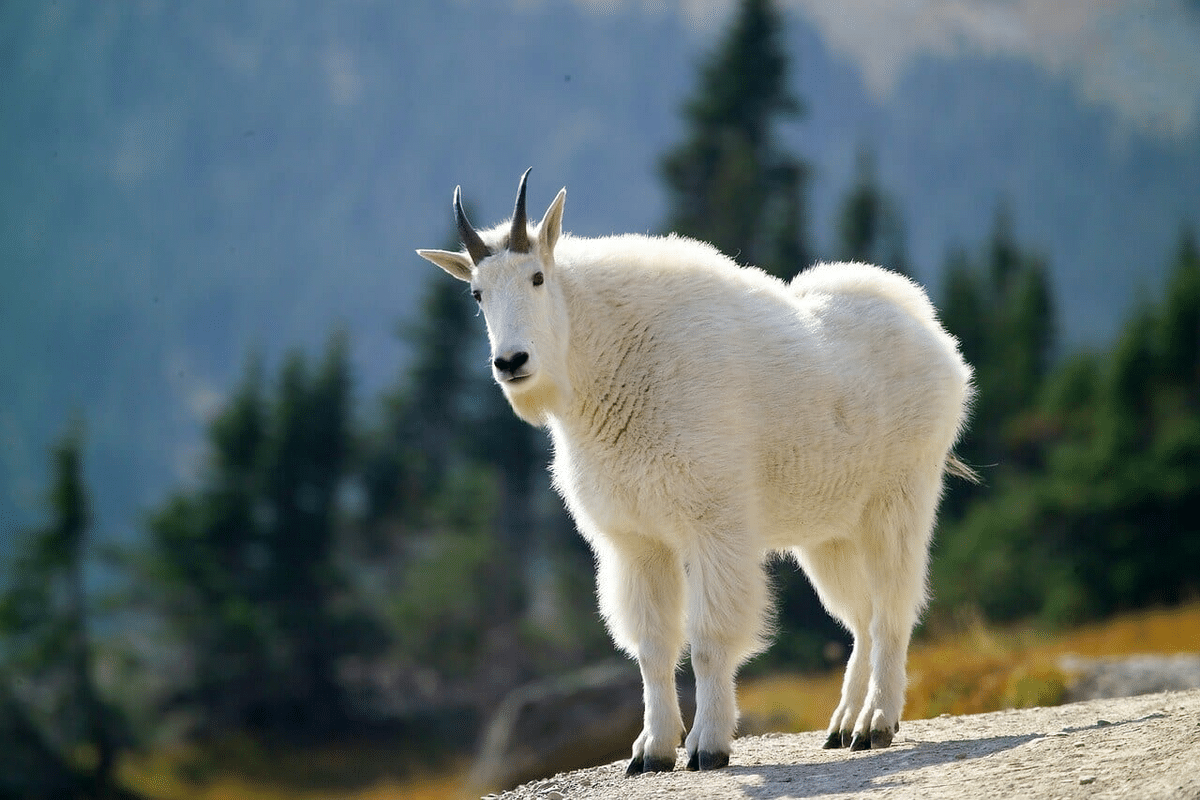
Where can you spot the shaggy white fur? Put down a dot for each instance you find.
(705, 415)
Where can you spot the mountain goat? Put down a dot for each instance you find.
(705, 415)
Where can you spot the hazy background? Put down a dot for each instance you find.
(182, 183)
(263, 511)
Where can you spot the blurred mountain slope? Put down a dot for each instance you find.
(185, 183)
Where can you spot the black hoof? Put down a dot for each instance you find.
(834, 741)
(881, 739)
(847, 738)
(860, 742)
(664, 764)
(706, 759)
(639, 765)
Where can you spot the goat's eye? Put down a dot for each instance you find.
(538, 278)
(478, 295)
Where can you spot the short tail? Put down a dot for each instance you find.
(960, 469)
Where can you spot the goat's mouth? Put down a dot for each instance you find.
(515, 379)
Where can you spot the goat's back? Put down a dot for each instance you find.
(711, 380)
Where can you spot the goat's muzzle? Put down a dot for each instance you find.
(507, 366)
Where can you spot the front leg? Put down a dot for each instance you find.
(727, 600)
(662, 723)
(708, 743)
(640, 585)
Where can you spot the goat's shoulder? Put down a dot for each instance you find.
(632, 254)
(664, 272)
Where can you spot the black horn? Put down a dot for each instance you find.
(518, 237)
(475, 246)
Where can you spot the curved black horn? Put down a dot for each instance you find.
(518, 237)
(475, 246)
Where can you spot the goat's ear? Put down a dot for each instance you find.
(551, 225)
(456, 264)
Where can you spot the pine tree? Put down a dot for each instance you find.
(730, 183)
(1105, 514)
(304, 462)
(1001, 308)
(449, 435)
(426, 426)
(963, 306)
(1179, 331)
(869, 224)
(243, 569)
(46, 638)
(1127, 505)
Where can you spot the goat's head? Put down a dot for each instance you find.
(511, 271)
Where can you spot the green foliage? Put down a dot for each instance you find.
(242, 569)
(869, 226)
(1179, 325)
(447, 601)
(440, 414)
(729, 182)
(1000, 307)
(446, 419)
(463, 517)
(1096, 505)
(47, 653)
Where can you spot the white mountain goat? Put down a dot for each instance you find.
(705, 415)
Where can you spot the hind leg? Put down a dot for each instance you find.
(900, 523)
(837, 571)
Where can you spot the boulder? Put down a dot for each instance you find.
(576, 720)
(1129, 676)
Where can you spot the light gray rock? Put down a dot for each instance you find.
(1137, 747)
(1127, 676)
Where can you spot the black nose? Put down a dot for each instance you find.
(511, 364)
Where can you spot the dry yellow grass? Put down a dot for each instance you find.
(240, 771)
(973, 670)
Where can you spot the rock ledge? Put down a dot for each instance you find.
(1136, 747)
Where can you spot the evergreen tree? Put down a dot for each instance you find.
(243, 569)
(1106, 518)
(1001, 308)
(869, 224)
(448, 434)
(46, 641)
(729, 182)
(1142, 473)
(1179, 332)
(430, 418)
(31, 768)
(963, 306)
(305, 461)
